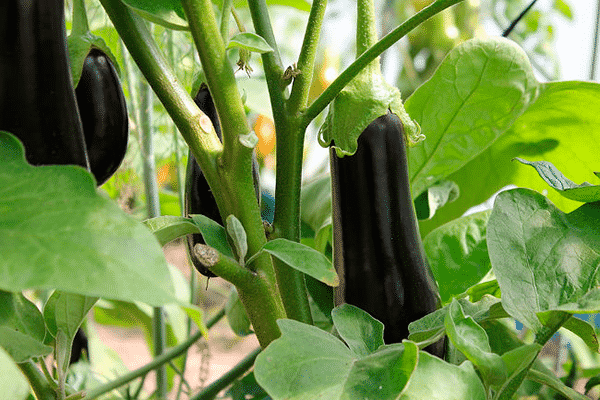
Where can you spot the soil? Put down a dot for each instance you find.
(207, 360)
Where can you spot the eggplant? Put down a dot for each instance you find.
(37, 99)
(198, 196)
(103, 112)
(378, 251)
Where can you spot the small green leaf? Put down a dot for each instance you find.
(390, 369)
(518, 361)
(168, 13)
(585, 192)
(435, 379)
(471, 340)
(66, 311)
(169, 227)
(556, 384)
(457, 253)
(434, 198)
(361, 332)
(20, 314)
(433, 324)
(236, 232)
(249, 140)
(304, 259)
(315, 361)
(251, 42)
(20, 346)
(236, 315)
(13, 384)
(213, 234)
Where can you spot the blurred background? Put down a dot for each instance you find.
(557, 35)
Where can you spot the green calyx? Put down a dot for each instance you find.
(366, 98)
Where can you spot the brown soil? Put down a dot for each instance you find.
(208, 359)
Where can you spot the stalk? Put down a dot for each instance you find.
(288, 169)
(371, 54)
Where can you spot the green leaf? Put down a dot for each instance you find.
(13, 384)
(434, 198)
(556, 384)
(315, 361)
(561, 126)
(64, 313)
(585, 192)
(543, 259)
(320, 366)
(316, 202)
(435, 379)
(476, 94)
(236, 315)
(433, 324)
(361, 332)
(20, 314)
(169, 227)
(471, 340)
(457, 253)
(581, 328)
(21, 346)
(236, 232)
(213, 233)
(251, 42)
(564, 9)
(59, 233)
(389, 368)
(168, 13)
(518, 362)
(304, 259)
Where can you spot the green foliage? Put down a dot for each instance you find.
(101, 251)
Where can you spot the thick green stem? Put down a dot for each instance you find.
(163, 359)
(260, 296)
(80, 21)
(37, 380)
(287, 217)
(371, 54)
(212, 390)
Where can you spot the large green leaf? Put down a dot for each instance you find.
(362, 333)
(475, 95)
(457, 253)
(544, 259)
(562, 127)
(435, 379)
(59, 233)
(309, 363)
(13, 384)
(471, 340)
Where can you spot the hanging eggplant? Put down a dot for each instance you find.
(377, 245)
(103, 113)
(37, 100)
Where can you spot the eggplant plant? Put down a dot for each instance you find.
(349, 295)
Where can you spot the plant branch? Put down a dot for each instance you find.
(80, 21)
(290, 142)
(368, 56)
(211, 391)
(225, 17)
(38, 382)
(205, 146)
(163, 359)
